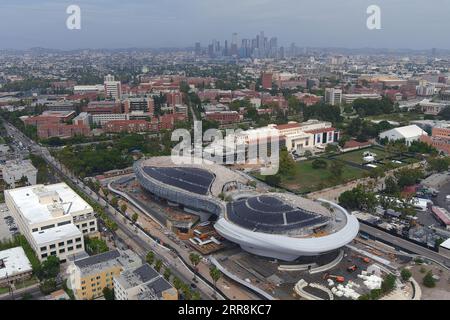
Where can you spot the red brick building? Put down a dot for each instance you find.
(266, 80)
(134, 126)
(62, 130)
(223, 117)
(103, 107)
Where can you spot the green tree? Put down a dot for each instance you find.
(114, 201)
(319, 164)
(195, 260)
(405, 274)
(158, 265)
(215, 276)
(428, 280)
(123, 207)
(108, 293)
(336, 169)
(134, 217)
(167, 273)
(50, 268)
(150, 257)
(48, 286)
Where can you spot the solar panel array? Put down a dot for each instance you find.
(270, 214)
(191, 179)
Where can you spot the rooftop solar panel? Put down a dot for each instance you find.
(270, 214)
(190, 179)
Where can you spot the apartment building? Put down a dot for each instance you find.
(90, 275)
(223, 117)
(333, 96)
(113, 89)
(53, 218)
(143, 283)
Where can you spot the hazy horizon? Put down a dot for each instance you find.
(146, 24)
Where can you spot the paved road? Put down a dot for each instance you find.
(142, 244)
(408, 245)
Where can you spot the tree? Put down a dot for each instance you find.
(196, 296)
(358, 199)
(158, 265)
(50, 268)
(405, 274)
(287, 164)
(195, 260)
(48, 286)
(134, 217)
(108, 293)
(273, 180)
(391, 186)
(177, 283)
(438, 164)
(336, 169)
(167, 273)
(123, 207)
(388, 284)
(428, 280)
(319, 164)
(150, 257)
(215, 276)
(114, 201)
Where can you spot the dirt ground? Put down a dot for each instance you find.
(442, 289)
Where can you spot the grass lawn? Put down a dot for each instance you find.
(308, 179)
(4, 290)
(357, 155)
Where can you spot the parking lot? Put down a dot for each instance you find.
(8, 228)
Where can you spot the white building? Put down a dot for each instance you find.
(409, 133)
(14, 170)
(53, 218)
(102, 119)
(89, 88)
(14, 265)
(143, 283)
(349, 98)
(333, 96)
(113, 89)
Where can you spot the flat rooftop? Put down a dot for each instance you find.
(41, 203)
(14, 261)
(56, 234)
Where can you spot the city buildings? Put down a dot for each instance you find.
(88, 276)
(53, 218)
(266, 80)
(349, 98)
(143, 283)
(14, 171)
(14, 266)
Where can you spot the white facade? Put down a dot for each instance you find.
(53, 218)
(102, 119)
(349, 98)
(409, 133)
(113, 88)
(15, 170)
(333, 96)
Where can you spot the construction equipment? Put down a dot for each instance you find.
(352, 268)
(339, 279)
(364, 259)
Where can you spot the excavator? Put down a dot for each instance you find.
(339, 279)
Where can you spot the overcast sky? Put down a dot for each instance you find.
(415, 24)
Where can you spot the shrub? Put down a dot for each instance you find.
(428, 280)
(405, 274)
(319, 164)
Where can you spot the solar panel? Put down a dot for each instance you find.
(270, 214)
(191, 179)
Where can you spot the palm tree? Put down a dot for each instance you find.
(150, 258)
(215, 276)
(158, 265)
(195, 260)
(177, 283)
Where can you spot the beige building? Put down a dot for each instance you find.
(90, 275)
(53, 218)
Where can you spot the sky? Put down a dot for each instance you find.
(414, 24)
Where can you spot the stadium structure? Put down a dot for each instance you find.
(276, 225)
